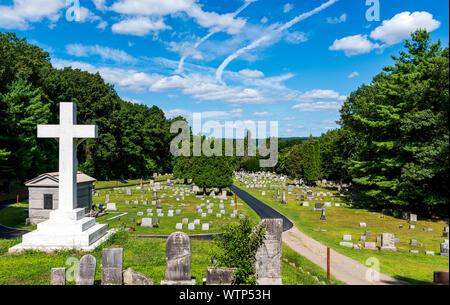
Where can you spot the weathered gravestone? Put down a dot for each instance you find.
(322, 217)
(388, 242)
(58, 276)
(178, 260)
(86, 270)
(412, 218)
(220, 276)
(112, 263)
(111, 206)
(444, 248)
(132, 277)
(268, 255)
(370, 246)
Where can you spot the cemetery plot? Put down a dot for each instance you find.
(408, 260)
(166, 207)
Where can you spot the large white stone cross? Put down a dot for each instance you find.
(68, 133)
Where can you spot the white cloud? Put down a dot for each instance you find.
(354, 45)
(336, 20)
(353, 74)
(105, 53)
(139, 26)
(402, 25)
(270, 37)
(131, 100)
(225, 22)
(126, 79)
(296, 37)
(100, 5)
(22, 12)
(169, 83)
(251, 73)
(262, 114)
(287, 7)
(264, 19)
(289, 118)
(320, 94)
(319, 106)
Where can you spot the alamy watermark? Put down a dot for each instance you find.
(73, 10)
(373, 13)
(233, 133)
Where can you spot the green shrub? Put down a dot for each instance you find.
(236, 248)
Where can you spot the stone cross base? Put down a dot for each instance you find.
(188, 282)
(65, 230)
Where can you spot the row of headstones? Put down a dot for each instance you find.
(178, 263)
(388, 242)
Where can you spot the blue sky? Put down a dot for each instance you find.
(288, 61)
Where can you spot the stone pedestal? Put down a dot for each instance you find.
(65, 230)
(268, 256)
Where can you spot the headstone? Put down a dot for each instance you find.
(58, 276)
(220, 276)
(106, 198)
(414, 251)
(441, 277)
(146, 222)
(283, 201)
(388, 242)
(318, 206)
(346, 244)
(112, 263)
(362, 224)
(268, 255)
(362, 238)
(412, 218)
(86, 270)
(191, 226)
(413, 242)
(367, 233)
(178, 260)
(444, 248)
(370, 246)
(306, 204)
(322, 217)
(205, 227)
(347, 237)
(179, 226)
(132, 277)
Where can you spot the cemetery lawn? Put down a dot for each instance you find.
(117, 183)
(143, 255)
(14, 216)
(167, 224)
(403, 265)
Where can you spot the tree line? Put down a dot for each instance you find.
(393, 140)
(133, 139)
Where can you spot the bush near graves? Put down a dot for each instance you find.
(236, 248)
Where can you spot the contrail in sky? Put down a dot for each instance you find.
(181, 62)
(267, 37)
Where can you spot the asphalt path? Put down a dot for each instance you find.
(262, 209)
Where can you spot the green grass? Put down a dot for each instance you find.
(116, 183)
(167, 224)
(14, 216)
(142, 254)
(414, 268)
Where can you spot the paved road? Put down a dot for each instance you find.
(262, 209)
(343, 268)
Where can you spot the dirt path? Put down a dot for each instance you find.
(342, 267)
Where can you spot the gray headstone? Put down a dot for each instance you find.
(132, 277)
(268, 255)
(112, 263)
(178, 257)
(444, 249)
(86, 270)
(388, 242)
(58, 276)
(220, 276)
